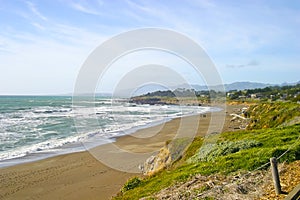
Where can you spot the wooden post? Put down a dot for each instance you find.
(275, 175)
(294, 194)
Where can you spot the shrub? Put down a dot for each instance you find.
(131, 183)
(210, 152)
(287, 155)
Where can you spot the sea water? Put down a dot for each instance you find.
(35, 127)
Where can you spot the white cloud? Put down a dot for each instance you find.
(208, 4)
(41, 67)
(141, 7)
(85, 8)
(38, 26)
(230, 34)
(252, 63)
(157, 14)
(44, 64)
(34, 9)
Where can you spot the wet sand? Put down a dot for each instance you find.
(82, 176)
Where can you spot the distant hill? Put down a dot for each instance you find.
(228, 87)
(234, 86)
(245, 85)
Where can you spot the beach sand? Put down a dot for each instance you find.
(82, 176)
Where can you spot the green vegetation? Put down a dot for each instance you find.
(131, 183)
(247, 150)
(209, 152)
(179, 96)
(274, 93)
(229, 152)
(289, 93)
(268, 115)
(177, 146)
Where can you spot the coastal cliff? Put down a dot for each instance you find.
(235, 166)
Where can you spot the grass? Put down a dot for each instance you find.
(209, 152)
(131, 183)
(250, 149)
(269, 115)
(229, 152)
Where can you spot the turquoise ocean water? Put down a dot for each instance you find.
(34, 127)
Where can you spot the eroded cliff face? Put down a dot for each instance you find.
(171, 152)
(157, 162)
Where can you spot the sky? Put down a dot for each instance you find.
(43, 44)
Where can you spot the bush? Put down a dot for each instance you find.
(287, 155)
(210, 152)
(131, 183)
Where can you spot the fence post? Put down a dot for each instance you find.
(275, 175)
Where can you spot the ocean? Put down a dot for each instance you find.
(36, 127)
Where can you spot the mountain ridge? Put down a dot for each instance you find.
(239, 85)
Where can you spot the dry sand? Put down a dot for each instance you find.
(81, 176)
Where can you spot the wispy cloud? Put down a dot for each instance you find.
(34, 9)
(143, 11)
(38, 26)
(249, 64)
(82, 7)
(44, 59)
(76, 35)
(203, 3)
(139, 6)
(57, 31)
(3, 48)
(232, 34)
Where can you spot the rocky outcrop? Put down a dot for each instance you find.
(171, 152)
(158, 162)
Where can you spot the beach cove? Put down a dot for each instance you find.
(80, 175)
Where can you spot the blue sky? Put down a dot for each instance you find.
(44, 43)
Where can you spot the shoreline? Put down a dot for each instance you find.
(79, 175)
(81, 146)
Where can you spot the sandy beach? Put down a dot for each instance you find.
(81, 176)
